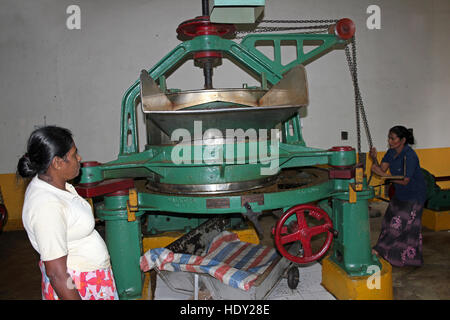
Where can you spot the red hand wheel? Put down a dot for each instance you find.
(300, 231)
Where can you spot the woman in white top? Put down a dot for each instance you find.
(75, 263)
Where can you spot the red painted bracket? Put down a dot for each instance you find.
(104, 187)
(344, 172)
(341, 173)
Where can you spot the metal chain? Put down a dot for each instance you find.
(291, 28)
(352, 73)
(244, 33)
(359, 104)
(317, 28)
(300, 21)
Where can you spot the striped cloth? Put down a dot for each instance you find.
(235, 263)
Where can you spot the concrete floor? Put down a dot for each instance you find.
(20, 275)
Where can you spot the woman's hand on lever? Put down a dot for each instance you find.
(373, 154)
(379, 169)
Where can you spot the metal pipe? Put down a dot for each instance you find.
(207, 72)
(205, 8)
(207, 67)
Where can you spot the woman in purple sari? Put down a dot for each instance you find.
(400, 240)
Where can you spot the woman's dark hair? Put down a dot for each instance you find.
(402, 132)
(43, 145)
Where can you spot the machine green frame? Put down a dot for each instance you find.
(351, 246)
(244, 53)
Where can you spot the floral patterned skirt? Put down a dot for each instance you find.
(400, 240)
(92, 285)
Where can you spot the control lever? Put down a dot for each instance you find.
(334, 232)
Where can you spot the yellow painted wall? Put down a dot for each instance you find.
(13, 191)
(436, 161)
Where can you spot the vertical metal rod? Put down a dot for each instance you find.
(195, 286)
(205, 8)
(207, 72)
(207, 67)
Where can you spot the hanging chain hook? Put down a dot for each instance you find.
(359, 104)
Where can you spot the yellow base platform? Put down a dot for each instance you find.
(166, 238)
(344, 287)
(146, 290)
(436, 220)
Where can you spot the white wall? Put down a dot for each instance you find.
(76, 78)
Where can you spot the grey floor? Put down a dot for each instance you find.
(20, 275)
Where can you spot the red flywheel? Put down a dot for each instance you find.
(298, 230)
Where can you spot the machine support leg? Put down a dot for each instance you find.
(351, 248)
(124, 242)
(351, 272)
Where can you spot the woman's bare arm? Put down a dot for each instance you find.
(60, 280)
(380, 169)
